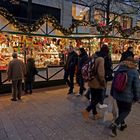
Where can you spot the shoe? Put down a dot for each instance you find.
(19, 98)
(123, 126)
(106, 96)
(103, 106)
(113, 130)
(85, 114)
(87, 94)
(70, 92)
(97, 116)
(84, 89)
(78, 94)
(25, 92)
(13, 99)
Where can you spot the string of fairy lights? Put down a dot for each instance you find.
(103, 29)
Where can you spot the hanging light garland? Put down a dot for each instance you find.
(102, 28)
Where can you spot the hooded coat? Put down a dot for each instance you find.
(132, 90)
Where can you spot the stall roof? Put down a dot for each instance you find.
(19, 11)
(78, 36)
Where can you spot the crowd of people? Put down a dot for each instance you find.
(95, 92)
(97, 86)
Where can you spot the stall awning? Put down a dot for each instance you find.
(19, 11)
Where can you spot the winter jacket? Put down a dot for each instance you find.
(132, 90)
(81, 61)
(16, 70)
(31, 70)
(71, 62)
(99, 81)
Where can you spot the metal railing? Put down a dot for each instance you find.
(46, 77)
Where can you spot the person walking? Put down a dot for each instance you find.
(70, 67)
(128, 96)
(31, 71)
(16, 72)
(97, 85)
(82, 59)
(127, 53)
(104, 52)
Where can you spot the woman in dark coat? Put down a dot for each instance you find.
(31, 71)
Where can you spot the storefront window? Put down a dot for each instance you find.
(99, 16)
(80, 12)
(126, 22)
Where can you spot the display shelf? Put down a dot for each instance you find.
(45, 53)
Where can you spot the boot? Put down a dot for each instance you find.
(85, 114)
(113, 130)
(97, 116)
(123, 126)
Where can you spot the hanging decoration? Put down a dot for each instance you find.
(46, 18)
(106, 29)
(101, 27)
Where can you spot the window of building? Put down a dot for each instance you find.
(99, 16)
(126, 22)
(80, 12)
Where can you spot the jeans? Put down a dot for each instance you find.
(103, 96)
(80, 82)
(124, 109)
(69, 79)
(16, 89)
(28, 86)
(96, 97)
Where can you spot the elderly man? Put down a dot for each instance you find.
(16, 72)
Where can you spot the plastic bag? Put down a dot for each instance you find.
(112, 112)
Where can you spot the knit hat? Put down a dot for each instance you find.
(82, 50)
(105, 48)
(14, 55)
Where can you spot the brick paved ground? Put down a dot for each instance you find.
(53, 115)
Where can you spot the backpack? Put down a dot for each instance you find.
(88, 70)
(120, 81)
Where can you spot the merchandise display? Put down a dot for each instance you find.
(8, 45)
(118, 46)
(50, 51)
(45, 51)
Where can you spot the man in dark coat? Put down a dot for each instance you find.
(70, 68)
(82, 59)
(127, 53)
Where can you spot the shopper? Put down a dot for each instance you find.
(127, 53)
(16, 72)
(70, 67)
(82, 59)
(104, 52)
(97, 85)
(128, 96)
(31, 71)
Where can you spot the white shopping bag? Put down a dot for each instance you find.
(112, 111)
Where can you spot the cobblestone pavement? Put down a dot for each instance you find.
(50, 114)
